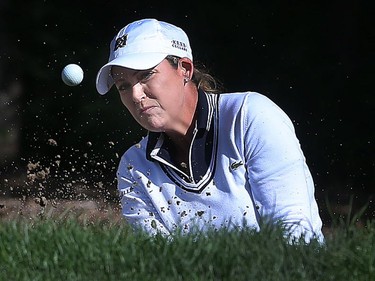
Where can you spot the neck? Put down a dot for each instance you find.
(182, 134)
(181, 141)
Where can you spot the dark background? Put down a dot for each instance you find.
(314, 60)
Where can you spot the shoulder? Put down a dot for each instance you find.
(254, 109)
(135, 154)
(250, 104)
(249, 98)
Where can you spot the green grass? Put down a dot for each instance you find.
(70, 250)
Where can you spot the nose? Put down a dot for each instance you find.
(138, 94)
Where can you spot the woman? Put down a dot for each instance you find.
(209, 160)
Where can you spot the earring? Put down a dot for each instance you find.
(186, 79)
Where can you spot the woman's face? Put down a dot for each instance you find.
(155, 97)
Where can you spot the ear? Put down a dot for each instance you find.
(187, 67)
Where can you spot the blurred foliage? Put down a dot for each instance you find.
(314, 60)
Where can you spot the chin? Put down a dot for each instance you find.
(154, 128)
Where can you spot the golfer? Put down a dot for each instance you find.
(210, 159)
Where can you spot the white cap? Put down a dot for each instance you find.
(142, 45)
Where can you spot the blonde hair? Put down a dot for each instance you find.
(201, 78)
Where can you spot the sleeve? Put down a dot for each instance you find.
(280, 180)
(137, 207)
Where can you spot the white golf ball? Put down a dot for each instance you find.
(72, 74)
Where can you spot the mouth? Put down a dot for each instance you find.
(146, 109)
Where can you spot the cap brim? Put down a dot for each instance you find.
(104, 80)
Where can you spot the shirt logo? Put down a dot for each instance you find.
(235, 165)
(121, 42)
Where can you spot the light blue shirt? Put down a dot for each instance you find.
(246, 163)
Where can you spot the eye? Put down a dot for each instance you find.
(123, 87)
(145, 75)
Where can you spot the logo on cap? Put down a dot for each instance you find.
(121, 42)
(179, 45)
